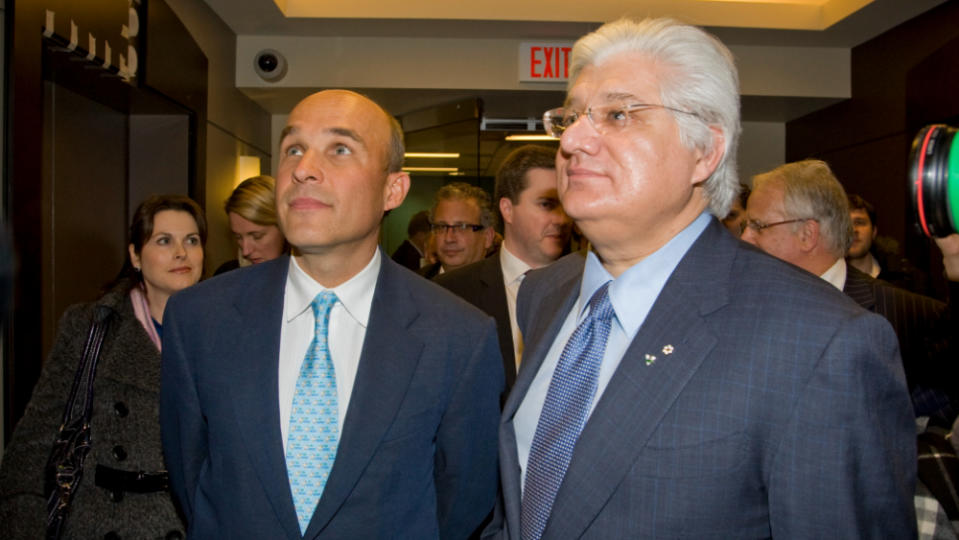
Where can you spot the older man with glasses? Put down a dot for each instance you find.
(676, 382)
(461, 222)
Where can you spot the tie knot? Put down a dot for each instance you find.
(599, 305)
(322, 304)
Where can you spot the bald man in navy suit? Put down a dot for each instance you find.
(417, 371)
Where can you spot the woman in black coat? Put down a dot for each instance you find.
(123, 491)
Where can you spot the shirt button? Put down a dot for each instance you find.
(119, 453)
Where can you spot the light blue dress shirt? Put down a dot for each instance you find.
(632, 294)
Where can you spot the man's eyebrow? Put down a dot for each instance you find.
(609, 97)
(340, 131)
(348, 133)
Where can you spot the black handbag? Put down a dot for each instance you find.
(65, 464)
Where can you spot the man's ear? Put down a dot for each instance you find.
(488, 242)
(397, 186)
(506, 209)
(809, 235)
(708, 159)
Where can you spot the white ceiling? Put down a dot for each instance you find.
(566, 21)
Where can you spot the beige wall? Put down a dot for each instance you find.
(235, 125)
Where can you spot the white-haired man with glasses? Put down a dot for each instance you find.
(676, 382)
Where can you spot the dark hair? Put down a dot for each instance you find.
(420, 222)
(858, 203)
(511, 178)
(141, 226)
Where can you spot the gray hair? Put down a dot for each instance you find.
(811, 190)
(461, 191)
(701, 78)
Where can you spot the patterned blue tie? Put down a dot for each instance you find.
(564, 413)
(313, 432)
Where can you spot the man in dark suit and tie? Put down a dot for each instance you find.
(535, 232)
(411, 252)
(333, 394)
(799, 212)
(677, 382)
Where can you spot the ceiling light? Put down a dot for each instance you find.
(531, 138)
(430, 169)
(446, 155)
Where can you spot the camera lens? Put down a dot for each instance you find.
(267, 62)
(934, 180)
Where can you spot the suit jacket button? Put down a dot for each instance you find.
(119, 453)
(112, 535)
(174, 535)
(116, 496)
(120, 409)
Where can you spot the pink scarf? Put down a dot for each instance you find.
(141, 308)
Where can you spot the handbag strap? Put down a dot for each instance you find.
(87, 368)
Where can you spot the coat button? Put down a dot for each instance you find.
(120, 409)
(119, 453)
(112, 535)
(116, 496)
(174, 535)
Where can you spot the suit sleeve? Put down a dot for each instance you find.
(846, 465)
(183, 427)
(466, 449)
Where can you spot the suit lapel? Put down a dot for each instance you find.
(255, 346)
(493, 301)
(859, 287)
(540, 332)
(387, 363)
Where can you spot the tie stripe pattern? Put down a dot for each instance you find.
(564, 413)
(313, 433)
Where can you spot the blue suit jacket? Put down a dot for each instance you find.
(417, 454)
(781, 411)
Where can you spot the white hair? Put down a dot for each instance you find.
(700, 78)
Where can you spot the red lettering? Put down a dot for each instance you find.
(533, 62)
(566, 51)
(549, 62)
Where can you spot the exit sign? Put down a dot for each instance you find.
(544, 61)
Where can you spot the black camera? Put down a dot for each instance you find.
(934, 180)
(270, 65)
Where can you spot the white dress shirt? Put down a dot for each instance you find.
(632, 295)
(347, 330)
(836, 274)
(514, 270)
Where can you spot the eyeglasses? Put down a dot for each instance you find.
(758, 226)
(605, 118)
(441, 228)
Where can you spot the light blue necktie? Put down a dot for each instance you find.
(313, 433)
(564, 413)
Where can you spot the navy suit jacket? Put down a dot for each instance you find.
(781, 410)
(417, 453)
(481, 284)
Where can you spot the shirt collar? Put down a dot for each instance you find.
(355, 294)
(644, 279)
(836, 275)
(513, 267)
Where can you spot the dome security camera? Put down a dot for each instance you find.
(270, 65)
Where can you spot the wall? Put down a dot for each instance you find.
(867, 138)
(235, 125)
